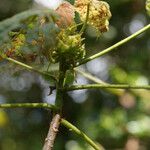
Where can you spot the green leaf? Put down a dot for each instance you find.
(16, 21)
(148, 6)
(31, 34)
(77, 18)
(70, 76)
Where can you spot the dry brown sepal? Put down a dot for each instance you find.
(66, 12)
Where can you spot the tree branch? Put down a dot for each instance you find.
(49, 141)
(29, 105)
(105, 51)
(74, 129)
(103, 86)
(30, 68)
(54, 125)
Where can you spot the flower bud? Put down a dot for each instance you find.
(69, 47)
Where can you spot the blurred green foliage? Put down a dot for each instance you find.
(109, 119)
(148, 6)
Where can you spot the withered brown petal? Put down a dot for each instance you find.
(66, 12)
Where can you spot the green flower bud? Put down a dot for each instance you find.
(69, 47)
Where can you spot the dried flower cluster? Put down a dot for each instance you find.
(99, 13)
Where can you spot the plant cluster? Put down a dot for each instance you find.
(38, 39)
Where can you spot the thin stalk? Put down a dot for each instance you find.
(30, 68)
(103, 86)
(75, 26)
(55, 119)
(107, 50)
(49, 141)
(74, 129)
(86, 19)
(29, 105)
(89, 76)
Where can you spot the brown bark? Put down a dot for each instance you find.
(52, 133)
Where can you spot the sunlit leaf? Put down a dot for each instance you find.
(28, 37)
(148, 6)
(16, 21)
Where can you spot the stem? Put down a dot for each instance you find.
(29, 105)
(61, 84)
(71, 127)
(117, 92)
(52, 133)
(86, 19)
(103, 86)
(49, 141)
(105, 51)
(54, 125)
(90, 77)
(30, 68)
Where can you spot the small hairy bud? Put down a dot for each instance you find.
(99, 13)
(69, 47)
